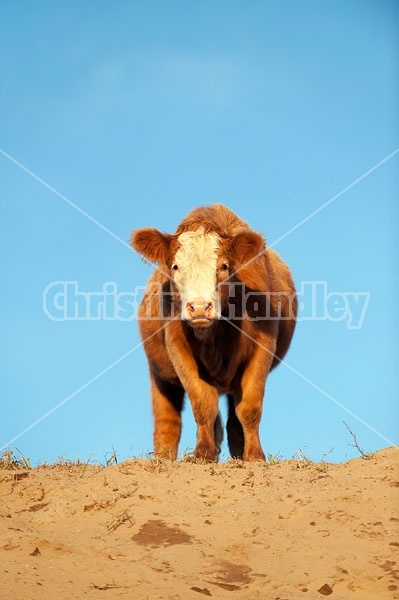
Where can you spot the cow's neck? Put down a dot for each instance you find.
(204, 334)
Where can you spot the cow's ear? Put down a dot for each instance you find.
(246, 246)
(151, 244)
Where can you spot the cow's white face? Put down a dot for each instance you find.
(194, 271)
(198, 262)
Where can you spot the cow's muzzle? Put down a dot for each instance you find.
(200, 313)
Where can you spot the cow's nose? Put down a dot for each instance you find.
(199, 308)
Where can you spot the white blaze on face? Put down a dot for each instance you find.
(196, 275)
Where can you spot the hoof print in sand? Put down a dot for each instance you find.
(230, 576)
(157, 533)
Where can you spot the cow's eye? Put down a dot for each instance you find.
(225, 267)
(175, 267)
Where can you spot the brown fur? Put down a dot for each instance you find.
(232, 357)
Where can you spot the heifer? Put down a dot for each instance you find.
(217, 315)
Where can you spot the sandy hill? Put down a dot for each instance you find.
(152, 529)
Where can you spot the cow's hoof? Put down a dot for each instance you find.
(164, 453)
(253, 455)
(206, 454)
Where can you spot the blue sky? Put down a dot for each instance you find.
(137, 112)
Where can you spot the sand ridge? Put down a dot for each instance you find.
(153, 529)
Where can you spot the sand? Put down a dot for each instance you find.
(151, 529)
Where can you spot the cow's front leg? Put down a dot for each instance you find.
(167, 404)
(203, 397)
(249, 399)
(204, 401)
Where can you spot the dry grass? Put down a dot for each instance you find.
(75, 467)
(120, 519)
(156, 463)
(10, 461)
(355, 443)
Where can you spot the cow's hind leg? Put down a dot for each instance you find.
(235, 432)
(167, 404)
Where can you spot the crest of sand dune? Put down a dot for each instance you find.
(152, 529)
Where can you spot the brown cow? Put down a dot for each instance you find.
(217, 315)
